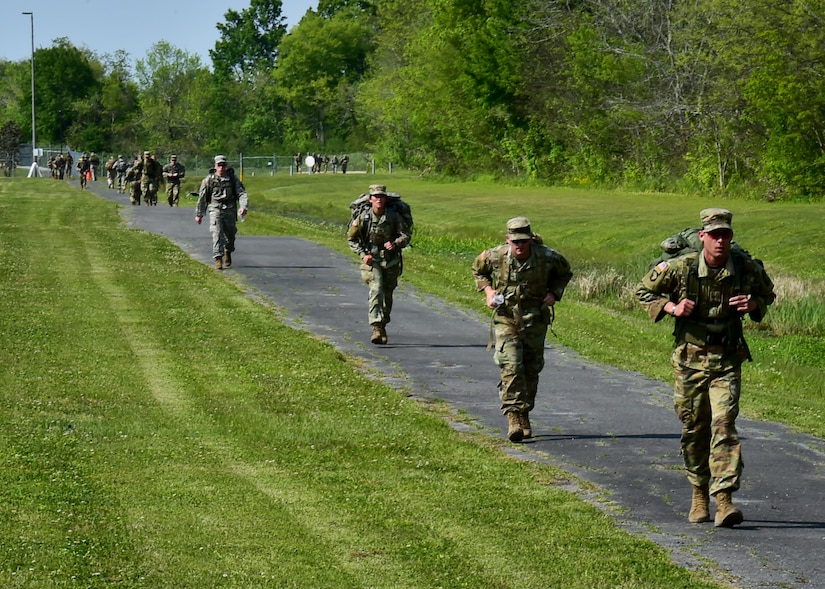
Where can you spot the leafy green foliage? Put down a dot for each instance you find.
(249, 41)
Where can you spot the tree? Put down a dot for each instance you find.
(321, 61)
(249, 40)
(166, 79)
(66, 80)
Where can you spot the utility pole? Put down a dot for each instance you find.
(35, 169)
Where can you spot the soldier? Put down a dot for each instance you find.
(522, 280)
(151, 175)
(377, 236)
(110, 172)
(133, 175)
(94, 164)
(121, 168)
(344, 163)
(83, 169)
(708, 293)
(69, 164)
(224, 196)
(60, 166)
(173, 172)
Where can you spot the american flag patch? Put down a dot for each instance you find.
(661, 266)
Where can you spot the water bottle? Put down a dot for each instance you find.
(241, 218)
(498, 300)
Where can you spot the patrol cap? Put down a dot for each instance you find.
(220, 159)
(146, 154)
(174, 157)
(378, 189)
(713, 219)
(519, 228)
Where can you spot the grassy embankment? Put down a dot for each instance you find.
(609, 238)
(158, 428)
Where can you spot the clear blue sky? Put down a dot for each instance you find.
(105, 27)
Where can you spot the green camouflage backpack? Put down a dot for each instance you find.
(362, 205)
(687, 241)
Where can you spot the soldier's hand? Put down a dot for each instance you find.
(742, 303)
(389, 246)
(549, 300)
(683, 308)
(198, 219)
(367, 259)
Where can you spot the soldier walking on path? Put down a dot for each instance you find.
(708, 293)
(173, 172)
(224, 196)
(377, 236)
(522, 281)
(94, 164)
(148, 174)
(83, 169)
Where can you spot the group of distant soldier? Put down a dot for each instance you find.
(60, 166)
(321, 163)
(142, 176)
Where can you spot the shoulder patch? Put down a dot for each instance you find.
(661, 266)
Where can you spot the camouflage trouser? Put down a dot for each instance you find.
(223, 226)
(134, 192)
(173, 193)
(382, 283)
(150, 192)
(520, 356)
(706, 399)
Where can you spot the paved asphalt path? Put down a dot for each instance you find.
(612, 428)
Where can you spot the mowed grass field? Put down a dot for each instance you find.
(158, 428)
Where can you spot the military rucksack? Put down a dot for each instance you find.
(687, 241)
(362, 205)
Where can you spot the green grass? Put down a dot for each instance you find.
(609, 238)
(158, 428)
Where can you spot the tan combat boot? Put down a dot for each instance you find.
(700, 505)
(376, 333)
(727, 515)
(514, 431)
(218, 264)
(384, 338)
(526, 428)
(227, 260)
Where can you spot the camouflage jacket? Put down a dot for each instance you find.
(174, 173)
(523, 284)
(220, 193)
(689, 277)
(369, 232)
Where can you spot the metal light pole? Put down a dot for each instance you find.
(35, 167)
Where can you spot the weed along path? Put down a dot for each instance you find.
(613, 429)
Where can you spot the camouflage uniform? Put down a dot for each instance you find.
(708, 352)
(521, 320)
(150, 180)
(367, 235)
(222, 196)
(173, 172)
(121, 167)
(111, 174)
(94, 164)
(82, 168)
(133, 175)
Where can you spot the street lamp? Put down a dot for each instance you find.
(35, 168)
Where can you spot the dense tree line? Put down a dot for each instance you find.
(703, 95)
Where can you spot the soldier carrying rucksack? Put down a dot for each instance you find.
(377, 233)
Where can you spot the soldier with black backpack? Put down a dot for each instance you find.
(224, 196)
(377, 234)
(708, 293)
